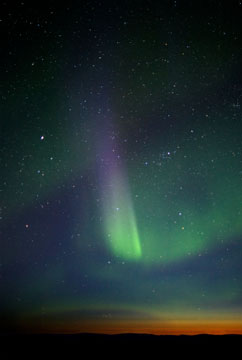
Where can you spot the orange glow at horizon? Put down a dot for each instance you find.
(219, 327)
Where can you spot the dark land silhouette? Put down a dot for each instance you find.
(64, 346)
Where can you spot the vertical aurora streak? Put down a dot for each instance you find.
(119, 219)
(119, 222)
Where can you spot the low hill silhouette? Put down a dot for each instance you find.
(66, 345)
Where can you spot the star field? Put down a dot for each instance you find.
(121, 164)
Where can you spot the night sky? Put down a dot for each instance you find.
(121, 167)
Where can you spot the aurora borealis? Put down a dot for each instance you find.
(121, 167)
(117, 209)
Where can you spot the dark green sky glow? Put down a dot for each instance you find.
(121, 163)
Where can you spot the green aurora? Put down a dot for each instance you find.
(150, 238)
